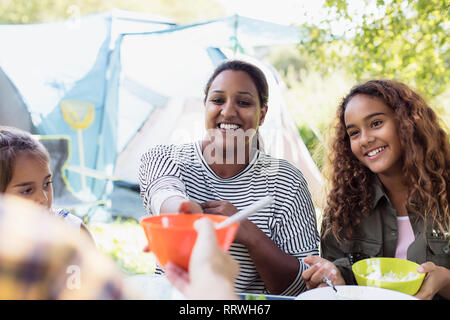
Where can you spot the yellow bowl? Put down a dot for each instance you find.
(399, 267)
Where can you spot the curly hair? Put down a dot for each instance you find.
(425, 163)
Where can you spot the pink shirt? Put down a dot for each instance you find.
(405, 236)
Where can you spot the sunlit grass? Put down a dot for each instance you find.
(124, 240)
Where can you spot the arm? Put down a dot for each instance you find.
(177, 204)
(331, 251)
(276, 268)
(437, 281)
(85, 230)
(278, 264)
(161, 186)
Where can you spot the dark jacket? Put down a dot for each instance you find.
(377, 235)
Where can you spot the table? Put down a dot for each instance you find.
(157, 287)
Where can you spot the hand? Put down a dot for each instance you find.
(178, 204)
(211, 270)
(436, 278)
(226, 208)
(318, 269)
(183, 207)
(189, 207)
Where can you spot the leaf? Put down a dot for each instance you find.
(408, 40)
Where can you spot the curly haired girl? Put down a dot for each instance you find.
(389, 187)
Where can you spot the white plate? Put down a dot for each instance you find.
(353, 293)
(150, 287)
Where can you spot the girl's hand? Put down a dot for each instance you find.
(437, 278)
(318, 269)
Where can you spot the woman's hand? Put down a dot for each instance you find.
(189, 207)
(211, 270)
(178, 204)
(318, 269)
(226, 208)
(436, 280)
(184, 206)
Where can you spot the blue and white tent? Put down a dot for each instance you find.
(144, 76)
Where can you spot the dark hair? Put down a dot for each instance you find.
(14, 142)
(254, 72)
(425, 169)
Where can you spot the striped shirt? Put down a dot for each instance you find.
(290, 221)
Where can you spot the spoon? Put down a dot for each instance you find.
(324, 279)
(329, 283)
(244, 213)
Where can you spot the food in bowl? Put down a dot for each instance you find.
(391, 276)
(389, 273)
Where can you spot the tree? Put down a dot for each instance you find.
(405, 40)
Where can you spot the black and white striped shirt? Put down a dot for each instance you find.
(290, 221)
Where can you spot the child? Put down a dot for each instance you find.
(25, 172)
(390, 187)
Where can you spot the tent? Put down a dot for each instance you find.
(13, 111)
(144, 77)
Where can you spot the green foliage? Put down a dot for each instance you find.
(288, 62)
(31, 11)
(405, 40)
(312, 142)
(311, 97)
(124, 241)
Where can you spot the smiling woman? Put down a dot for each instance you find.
(372, 128)
(390, 187)
(236, 104)
(227, 171)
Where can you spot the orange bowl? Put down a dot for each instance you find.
(171, 237)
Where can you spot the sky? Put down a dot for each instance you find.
(278, 11)
(298, 11)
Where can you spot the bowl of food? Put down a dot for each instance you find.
(171, 237)
(389, 273)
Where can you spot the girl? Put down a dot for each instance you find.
(25, 172)
(390, 186)
(227, 171)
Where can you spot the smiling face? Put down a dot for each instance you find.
(31, 179)
(233, 109)
(372, 129)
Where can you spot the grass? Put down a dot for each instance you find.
(124, 240)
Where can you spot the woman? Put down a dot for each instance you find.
(226, 172)
(390, 186)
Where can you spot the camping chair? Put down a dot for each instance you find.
(58, 147)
